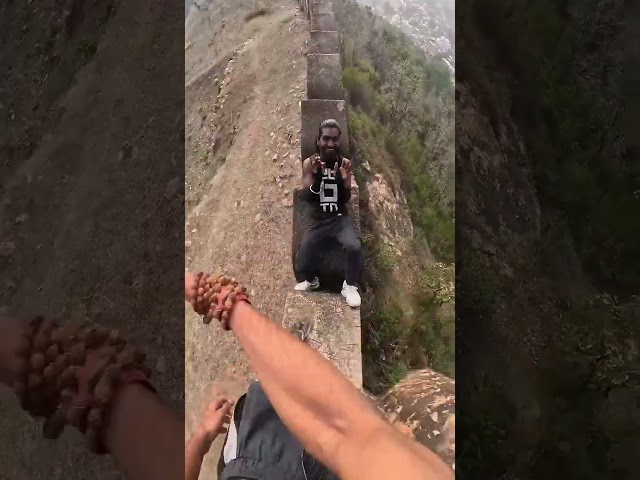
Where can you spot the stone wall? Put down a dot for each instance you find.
(336, 330)
(422, 405)
(325, 99)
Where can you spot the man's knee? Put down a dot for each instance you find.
(353, 245)
(304, 253)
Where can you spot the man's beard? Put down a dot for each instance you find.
(330, 156)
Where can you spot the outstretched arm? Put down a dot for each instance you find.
(141, 432)
(324, 410)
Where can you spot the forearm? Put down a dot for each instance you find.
(403, 458)
(194, 453)
(145, 436)
(316, 402)
(344, 186)
(307, 181)
(316, 184)
(347, 183)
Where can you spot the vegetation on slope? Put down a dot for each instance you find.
(562, 68)
(401, 123)
(568, 104)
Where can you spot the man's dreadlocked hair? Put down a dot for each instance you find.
(328, 123)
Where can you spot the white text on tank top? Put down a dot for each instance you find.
(328, 191)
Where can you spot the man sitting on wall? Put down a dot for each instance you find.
(327, 177)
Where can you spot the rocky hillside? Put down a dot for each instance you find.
(546, 232)
(430, 23)
(401, 131)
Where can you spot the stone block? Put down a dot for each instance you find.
(336, 332)
(323, 21)
(332, 261)
(312, 114)
(321, 7)
(324, 42)
(324, 77)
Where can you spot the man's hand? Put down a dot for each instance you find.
(215, 421)
(345, 169)
(316, 164)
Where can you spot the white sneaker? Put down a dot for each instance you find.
(304, 286)
(350, 293)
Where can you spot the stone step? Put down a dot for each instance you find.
(312, 114)
(324, 77)
(337, 329)
(321, 7)
(323, 21)
(324, 42)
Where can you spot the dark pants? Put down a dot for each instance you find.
(340, 229)
(265, 448)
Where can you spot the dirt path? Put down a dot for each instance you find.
(240, 220)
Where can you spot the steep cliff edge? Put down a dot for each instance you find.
(548, 341)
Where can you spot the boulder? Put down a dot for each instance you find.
(422, 406)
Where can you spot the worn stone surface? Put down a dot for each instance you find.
(331, 262)
(423, 406)
(321, 7)
(336, 331)
(323, 21)
(324, 77)
(313, 112)
(324, 42)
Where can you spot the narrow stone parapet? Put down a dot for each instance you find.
(336, 333)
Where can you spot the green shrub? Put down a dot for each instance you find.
(401, 122)
(387, 259)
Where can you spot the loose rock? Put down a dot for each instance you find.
(161, 364)
(7, 248)
(22, 218)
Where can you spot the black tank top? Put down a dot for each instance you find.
(331, 199)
